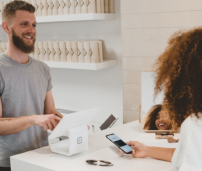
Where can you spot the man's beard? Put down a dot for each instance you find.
(19, 43)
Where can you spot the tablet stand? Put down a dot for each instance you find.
(77, 141)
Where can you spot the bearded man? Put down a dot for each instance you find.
(27, 107)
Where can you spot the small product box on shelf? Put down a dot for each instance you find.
(66, 7)
(72, 6)
(92, 6)
(68, 51)
(80, 52)
(56, 51)
(55, 7)
(60, 7)
(94, 52)
(38, 8)
(78, 6)
(84, 6)
(45, 51)
(40, 51)
(50, 51)
(86, 46)
(74, 46)
(44, 8)
(62, 53)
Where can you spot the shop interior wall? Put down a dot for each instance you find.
(146, 28)
(82, 89)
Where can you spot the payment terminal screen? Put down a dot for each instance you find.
(108, 122)
(122, 145)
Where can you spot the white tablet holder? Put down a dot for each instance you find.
(70, 136)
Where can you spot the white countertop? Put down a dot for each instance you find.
(100, 148)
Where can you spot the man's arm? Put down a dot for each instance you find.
(50, 105)
(14, 125)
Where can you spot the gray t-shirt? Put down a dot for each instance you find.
(23, 89)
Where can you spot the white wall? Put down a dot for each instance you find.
(146, 28)
(81, 89)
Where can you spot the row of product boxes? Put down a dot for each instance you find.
(69, 51)
(66, 51)
(63, 7)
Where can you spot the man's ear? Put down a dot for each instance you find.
(6, 28)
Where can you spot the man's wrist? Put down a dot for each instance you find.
(32, 119)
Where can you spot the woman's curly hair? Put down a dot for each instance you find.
(179, 74)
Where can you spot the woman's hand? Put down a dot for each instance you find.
(139, 150)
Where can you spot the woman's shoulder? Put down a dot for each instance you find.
(188, 151)
(196, 120)
(192, 123)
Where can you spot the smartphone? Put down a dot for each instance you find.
(119, 143)
(109, 122)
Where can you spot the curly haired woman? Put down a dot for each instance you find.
(179, 73)
(156, 119)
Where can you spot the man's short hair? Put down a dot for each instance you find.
(10, 9)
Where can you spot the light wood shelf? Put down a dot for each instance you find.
(83, 66)
(74, 17)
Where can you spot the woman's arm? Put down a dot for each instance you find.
(161, 153)
(140, 151)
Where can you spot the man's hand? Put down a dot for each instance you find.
(46, 121)
(139, 150)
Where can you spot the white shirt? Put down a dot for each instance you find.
(188, 154)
